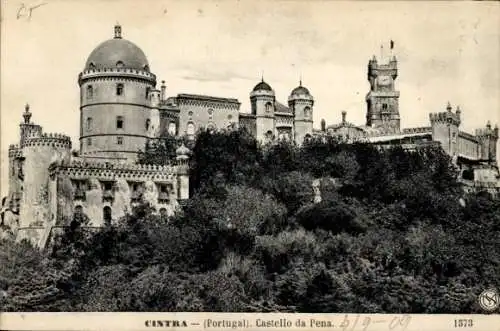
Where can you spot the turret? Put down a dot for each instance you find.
(445, 127)
(382, 101)
(301, 102)
(488, 138)
(262, 99)
(39, 151)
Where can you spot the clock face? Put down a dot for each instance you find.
(384, 80)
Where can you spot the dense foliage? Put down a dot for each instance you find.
(393, 233)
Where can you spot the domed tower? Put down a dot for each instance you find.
(301, 103)
(115, 88)
(262, 99)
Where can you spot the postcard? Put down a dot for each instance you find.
(257, 165)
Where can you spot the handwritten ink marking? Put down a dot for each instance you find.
(27, 12)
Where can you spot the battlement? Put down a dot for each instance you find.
(118, 72)
(424, 129)
(48, 139)
(109, 171)
(203, 100)
(487, 132)
(82, 163)
(446, 117)
(389, 68)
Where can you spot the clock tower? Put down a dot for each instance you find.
(382, 101)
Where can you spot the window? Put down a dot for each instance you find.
(190, 128)
(384, 106)
(119, 64)
(307, 111)
(92, 65)
(89, 123)
(119, 140)
(148, 89)
(172, 129)
(148, 124)
(119, 89)
(106, 215)
(89, 141)
(269, 107)
(119, 122)
(90, 92)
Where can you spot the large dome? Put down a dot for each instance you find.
(117, 53)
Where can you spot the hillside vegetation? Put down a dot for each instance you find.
(393, 233)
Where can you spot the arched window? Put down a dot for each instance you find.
(89, 123)
(119, 140)
(190, 128)
(172, 129)
(119, 122)
(146, 67)
(147, 92)
(92, 65)
(384, 106)
(90, 92)
(119, 64)
(148, 124)
(269, 107)
(307, 112)
(269, 135)
(106, 215)
(119, 89)
(89, 141)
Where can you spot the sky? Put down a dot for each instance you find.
(447, 51)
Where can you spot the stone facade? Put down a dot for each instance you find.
(121, 110)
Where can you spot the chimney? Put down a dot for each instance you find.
(163, 88)
(344, 113)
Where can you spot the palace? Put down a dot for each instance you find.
(121, 109)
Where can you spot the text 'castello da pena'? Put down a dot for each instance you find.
(121, 109)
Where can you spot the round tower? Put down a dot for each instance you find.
(39, 153)
(262, 99)
(115, 100)
(301, 103)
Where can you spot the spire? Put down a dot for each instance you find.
(118, 31)
(300, 80)
(344, 113)
(262, 76)
(27, 114)
(448, 107)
